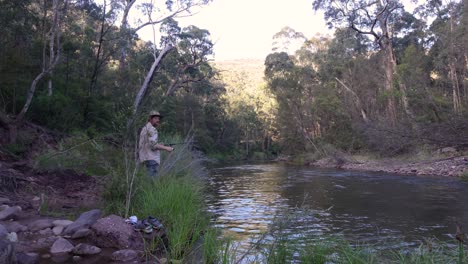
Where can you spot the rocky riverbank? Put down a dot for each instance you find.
(41, 221)
(90, 238)
(448, 166)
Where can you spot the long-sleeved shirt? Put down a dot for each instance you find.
(147, 146)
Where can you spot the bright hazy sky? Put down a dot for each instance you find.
(244, 28)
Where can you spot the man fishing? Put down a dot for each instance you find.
(149, 149)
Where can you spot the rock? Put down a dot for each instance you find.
(84, 232)
(163, 260)
(86, 249)
(7, 252)
(46, 232)
(60, 246)
(62, 223)
(27, 258)
(16, 227)
(113, 232)
(77, 258)
(9, 212)
(4, 200)
(57, 230)
(44, 243)
(124, 255)
(85, 220)
(45, 256)
(13, 237)
(3, 232)
(40, 224)
(448, 150)
(3, 207)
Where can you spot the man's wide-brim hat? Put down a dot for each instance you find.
(155, 113)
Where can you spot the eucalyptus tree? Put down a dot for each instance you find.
(50, 39)
(374, 19)
(448, 34)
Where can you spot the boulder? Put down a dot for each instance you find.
(124, 255)
(60, 246)
(86, 249)
(3, 232)
(84, 232)
(40, 224)
(57, 230)
(9, 212)
(4, 200)
(113, 232)
(43, 243)
(85, 220)
(46, 232)
(62, 223)
(16, 227)
(27, 258)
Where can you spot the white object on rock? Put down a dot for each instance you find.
(13, 237)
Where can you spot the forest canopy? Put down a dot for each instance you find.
(386, 81)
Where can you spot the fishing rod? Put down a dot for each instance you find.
(181, 143)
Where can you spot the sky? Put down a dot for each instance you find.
(243, 29)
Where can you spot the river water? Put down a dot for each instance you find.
(378, 209)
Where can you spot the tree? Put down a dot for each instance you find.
(374, 19)
(51, 40)
(448, 33)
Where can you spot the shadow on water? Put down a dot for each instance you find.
(385, 210)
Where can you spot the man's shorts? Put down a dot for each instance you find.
(151, 167)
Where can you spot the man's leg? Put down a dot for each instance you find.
(151, 168)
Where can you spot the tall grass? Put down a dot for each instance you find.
(175, 196)
(278, 246)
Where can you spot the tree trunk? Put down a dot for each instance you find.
(389, 70)
(13, 132)
(453, 71)
(149, 78)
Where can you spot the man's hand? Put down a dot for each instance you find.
(170, 149)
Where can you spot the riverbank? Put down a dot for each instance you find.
(451, 166)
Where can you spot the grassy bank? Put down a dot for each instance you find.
(176, 196)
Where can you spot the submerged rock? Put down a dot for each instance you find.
(27, 258)
(124, 255)
(86, 249)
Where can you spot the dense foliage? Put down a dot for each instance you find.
(386, 81)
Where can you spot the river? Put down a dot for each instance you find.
(378, 209)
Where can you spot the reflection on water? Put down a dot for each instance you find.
(373, 208)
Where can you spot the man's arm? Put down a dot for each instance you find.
(163, 147)
(153, 139)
